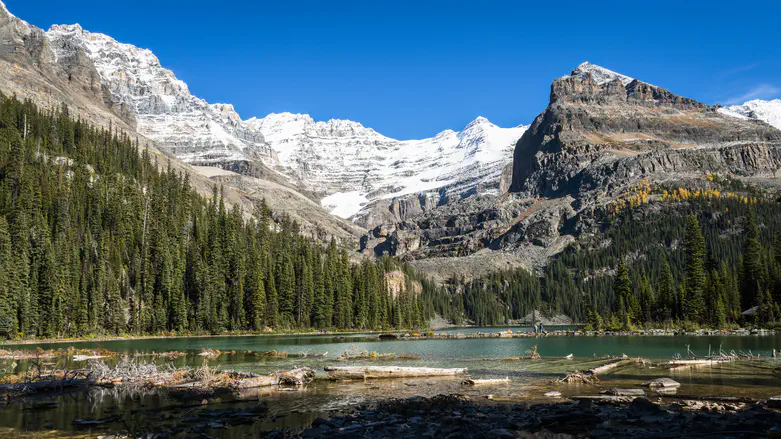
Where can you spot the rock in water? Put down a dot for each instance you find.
(661, 382)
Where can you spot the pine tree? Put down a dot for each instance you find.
(7, 318)
(777, 250)
(258, 304)
(320, 318)
(647, 301)
(694, 244)
(667, 292)
(622, 291)
(751, 281)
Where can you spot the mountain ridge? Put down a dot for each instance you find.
(339, 161)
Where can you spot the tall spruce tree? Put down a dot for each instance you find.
(694, 244)
(752, 281)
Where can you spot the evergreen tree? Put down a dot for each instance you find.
(647, 300)
(666, 304)
(623, 292)
(752, 280)
(694, 244)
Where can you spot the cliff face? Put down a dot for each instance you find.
(31, 68)
(597, 135)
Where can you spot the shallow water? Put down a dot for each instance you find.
(483, 358)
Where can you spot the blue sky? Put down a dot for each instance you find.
(412, 69)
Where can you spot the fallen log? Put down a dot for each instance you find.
(590, 376)
(363, 372)
(255, 382)
(578, 377)
(89, 357)
(477, 382)
(693, 364)
(606, 367)
(297, 377)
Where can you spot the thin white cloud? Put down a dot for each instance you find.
(761, 91)
(737, 70)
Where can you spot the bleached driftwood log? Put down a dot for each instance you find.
(590, 376)
(363, 372)
(295, 377)
(251, 383)
(606, 367)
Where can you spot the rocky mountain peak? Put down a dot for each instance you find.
(66, 28)
(599, 74)
(135, 83)
(588, 123)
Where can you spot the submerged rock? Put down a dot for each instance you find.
(662, 382)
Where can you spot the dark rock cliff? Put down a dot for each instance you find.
(594, 136)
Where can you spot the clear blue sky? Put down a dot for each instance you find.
(412, 69)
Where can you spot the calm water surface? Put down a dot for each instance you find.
(483, 357)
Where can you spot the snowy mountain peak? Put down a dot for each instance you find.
(768, 111)
(66, 28)
(354, 165)
(600, 74)
(165, 111)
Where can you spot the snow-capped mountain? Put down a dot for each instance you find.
(600, 74)
(354, 165)
(341, 160)
(768, 111)
(164, 110)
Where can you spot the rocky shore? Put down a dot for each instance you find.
(456, 417)
(582, 333)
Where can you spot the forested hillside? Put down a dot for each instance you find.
(698, 257)
(96, 237)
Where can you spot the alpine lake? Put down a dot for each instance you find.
(125, 410)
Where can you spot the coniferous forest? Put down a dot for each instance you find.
(96, 237)
(702, 261)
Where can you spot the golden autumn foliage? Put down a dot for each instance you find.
(640, 194)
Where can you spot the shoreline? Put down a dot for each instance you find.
(406, 335)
